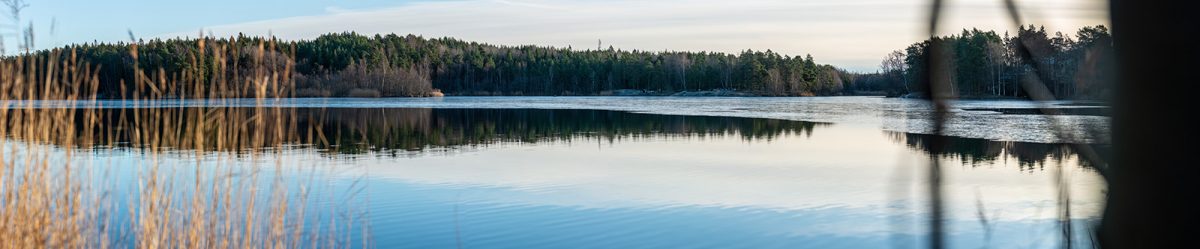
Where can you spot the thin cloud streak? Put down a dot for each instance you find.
(853, 34)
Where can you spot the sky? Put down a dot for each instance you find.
(852, 34)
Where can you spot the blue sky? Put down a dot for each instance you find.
(852, 34)
(87, 20)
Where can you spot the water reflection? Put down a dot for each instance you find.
(410, 131)
(380, 130)
(350, 131)
(975, 152)
(613, 179)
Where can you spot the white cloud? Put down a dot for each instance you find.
(847, 33)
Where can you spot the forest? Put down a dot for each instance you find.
(355, 65)
(984, 64)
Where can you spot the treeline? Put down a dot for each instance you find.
(349, 64)
(986, 64)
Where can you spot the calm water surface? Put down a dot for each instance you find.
(685, 172)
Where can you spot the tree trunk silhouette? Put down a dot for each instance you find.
(1153, 175)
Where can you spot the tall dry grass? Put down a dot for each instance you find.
(45, 203)
(207, 177)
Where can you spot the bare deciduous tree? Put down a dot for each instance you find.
(894, 67)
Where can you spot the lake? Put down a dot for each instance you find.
(645, 172)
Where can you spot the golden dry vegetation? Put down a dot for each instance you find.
(211, 176)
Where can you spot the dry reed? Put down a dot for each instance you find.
(208, 177)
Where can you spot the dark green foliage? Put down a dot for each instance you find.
(985, 64)
(467, 68)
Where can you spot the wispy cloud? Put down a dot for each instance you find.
(527, 4)
(848, 33)
(335, 10)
